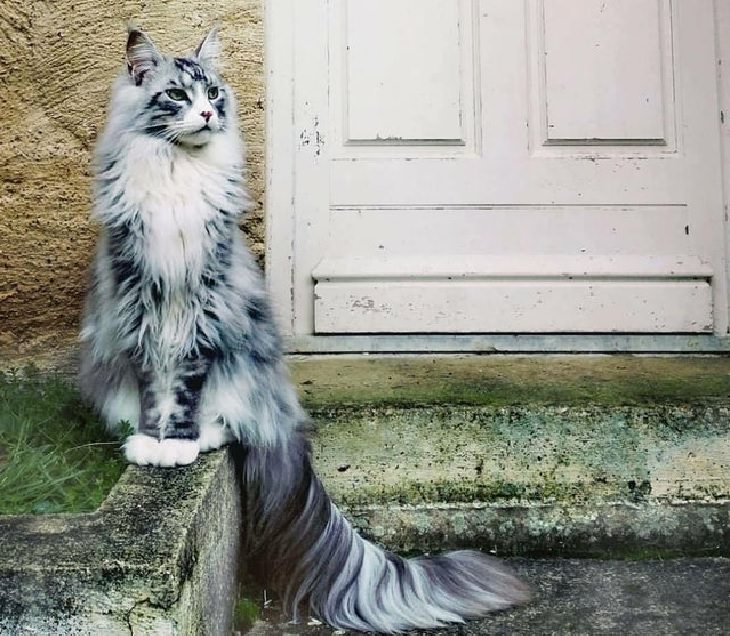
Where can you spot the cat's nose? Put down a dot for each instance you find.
(206, 114)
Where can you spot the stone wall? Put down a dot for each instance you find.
(57, 61)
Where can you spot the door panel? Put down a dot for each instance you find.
(373, 234)
(402, 71)
(542, 133)
(513, 306)
(603, 70)
(401, 76)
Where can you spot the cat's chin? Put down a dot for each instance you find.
(144, 450)
(197, 139)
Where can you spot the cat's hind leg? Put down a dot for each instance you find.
(214, 434)
(113, 390)
(214, 431)
(121, 405)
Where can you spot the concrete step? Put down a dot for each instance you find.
(158, 557)
(582, 596)
(590, 455)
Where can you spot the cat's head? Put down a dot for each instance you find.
(180, 99)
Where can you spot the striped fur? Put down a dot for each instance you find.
(179, 341)
(302, 546)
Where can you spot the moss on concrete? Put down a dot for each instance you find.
(528, 453)
(245, 612)
(593, 529)
(519, 453)
(510, 380)
(522, 453)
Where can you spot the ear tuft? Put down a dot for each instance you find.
(209, 49)
(142, 55)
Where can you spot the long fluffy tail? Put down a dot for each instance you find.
(307, 551)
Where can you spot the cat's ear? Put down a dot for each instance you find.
(209, 49)
(142, 55)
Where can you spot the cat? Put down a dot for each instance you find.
(178, 340)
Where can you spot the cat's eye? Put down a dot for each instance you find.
(213, 92)
(177, 95)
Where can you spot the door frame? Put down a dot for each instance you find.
(284, 21)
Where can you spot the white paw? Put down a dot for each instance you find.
(214, 436)
(178, 452)
(148, 451)
(141, 449)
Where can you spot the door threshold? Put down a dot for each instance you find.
(509, 343)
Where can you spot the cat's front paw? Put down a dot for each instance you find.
(178, 452)
(141, 449)
(148, 451)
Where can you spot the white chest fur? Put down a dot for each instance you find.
(174, 193)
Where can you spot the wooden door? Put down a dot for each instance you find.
(499, 166)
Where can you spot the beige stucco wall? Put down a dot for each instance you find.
(57, 61)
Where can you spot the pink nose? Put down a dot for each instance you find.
(206, 114)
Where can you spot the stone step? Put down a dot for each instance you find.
(582, 596)
(158, 557)
(597, 455)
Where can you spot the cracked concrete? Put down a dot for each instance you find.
(572, 596)
(160, 556)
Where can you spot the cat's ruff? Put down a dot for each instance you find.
(179, 342)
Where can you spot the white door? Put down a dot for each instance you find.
(498, 166)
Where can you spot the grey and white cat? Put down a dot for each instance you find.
(178, 340)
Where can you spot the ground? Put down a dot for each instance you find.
(574, 596)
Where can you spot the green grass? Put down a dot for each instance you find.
(54, 453)
(245, 613)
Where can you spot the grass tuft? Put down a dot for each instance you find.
(246, 612)
(55, 455)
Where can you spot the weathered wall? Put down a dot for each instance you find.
(57, 62)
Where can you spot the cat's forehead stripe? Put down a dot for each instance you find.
(191, 69)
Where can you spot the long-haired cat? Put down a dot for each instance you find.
(178, 340)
